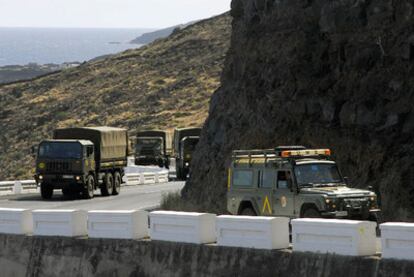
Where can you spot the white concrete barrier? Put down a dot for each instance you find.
(67, 223)
(16, 221)
(397, 240)
(149, 178)
(133, 179)
(183, 227)
(344, 237)
(253, 232)
(118, 224)
(161, 177)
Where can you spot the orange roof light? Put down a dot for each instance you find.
(308, 152)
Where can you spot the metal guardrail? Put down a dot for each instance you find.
(130, 179)
(17, 186)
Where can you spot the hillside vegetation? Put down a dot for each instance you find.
(163, 85)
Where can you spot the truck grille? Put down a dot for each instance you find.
(58, 166)
(147, 152)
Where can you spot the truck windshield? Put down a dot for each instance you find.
(60, 150)
(189, 145)
(154, 144)
(317, 174)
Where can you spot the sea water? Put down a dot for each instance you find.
(20, 46)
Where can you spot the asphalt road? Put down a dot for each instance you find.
(131, 197)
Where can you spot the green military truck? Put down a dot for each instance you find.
(82, 160)
(153, 148)
(294, 182)
(185, 142)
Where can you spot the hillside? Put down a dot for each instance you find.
(162, 85)
(162, 33)
(328, 73)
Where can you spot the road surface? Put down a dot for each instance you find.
(131, 197)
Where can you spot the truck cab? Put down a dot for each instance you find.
(153, 147)
(82, 160)
(185, 142)
(65, 163)
(294, 182)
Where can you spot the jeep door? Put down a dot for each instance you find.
(264, 197)
(284, 194)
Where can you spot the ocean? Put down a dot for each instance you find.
(20, 46)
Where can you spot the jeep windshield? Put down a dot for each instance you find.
(60, 150)
(318, 174)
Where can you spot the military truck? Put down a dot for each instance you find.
(153, 148)
(185, 142)
(293, 181)
(82, 160)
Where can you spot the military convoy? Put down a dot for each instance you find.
(153, 148)
(294, 182)
(82, 160)
(290, 181)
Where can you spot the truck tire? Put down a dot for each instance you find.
(46, 191)
(108, 185)
(311, 213)
(88, 191)
(117, 183)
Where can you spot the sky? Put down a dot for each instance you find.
(107, 13)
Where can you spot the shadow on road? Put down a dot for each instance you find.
(55, 198)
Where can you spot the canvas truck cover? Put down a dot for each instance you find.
(110, 143)
(179, 134)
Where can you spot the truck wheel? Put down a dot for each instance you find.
(108, 185)
(87, 192)
(248, 212)
(311, 213)
(46, 191)
(117, 183)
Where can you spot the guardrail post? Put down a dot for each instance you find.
(17, 188)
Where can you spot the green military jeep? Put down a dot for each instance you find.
(293, 181)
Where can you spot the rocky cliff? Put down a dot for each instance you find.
(322, 73)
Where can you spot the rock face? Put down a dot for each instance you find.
(322, 73)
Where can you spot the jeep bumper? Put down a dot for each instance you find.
(366, 214)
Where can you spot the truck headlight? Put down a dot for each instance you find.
(77, 178)
(40, 177)
(187, 164)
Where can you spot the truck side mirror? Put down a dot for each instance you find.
(346, 180)
(34, 150)
(89, 151)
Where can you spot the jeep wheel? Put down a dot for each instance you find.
(88, 191)
(117, 183)
(46, 191)
(248, 212)
(108, 185)
(311, 213)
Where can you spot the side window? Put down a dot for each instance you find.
(283, 178)
(268, 176)
(242, 178)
